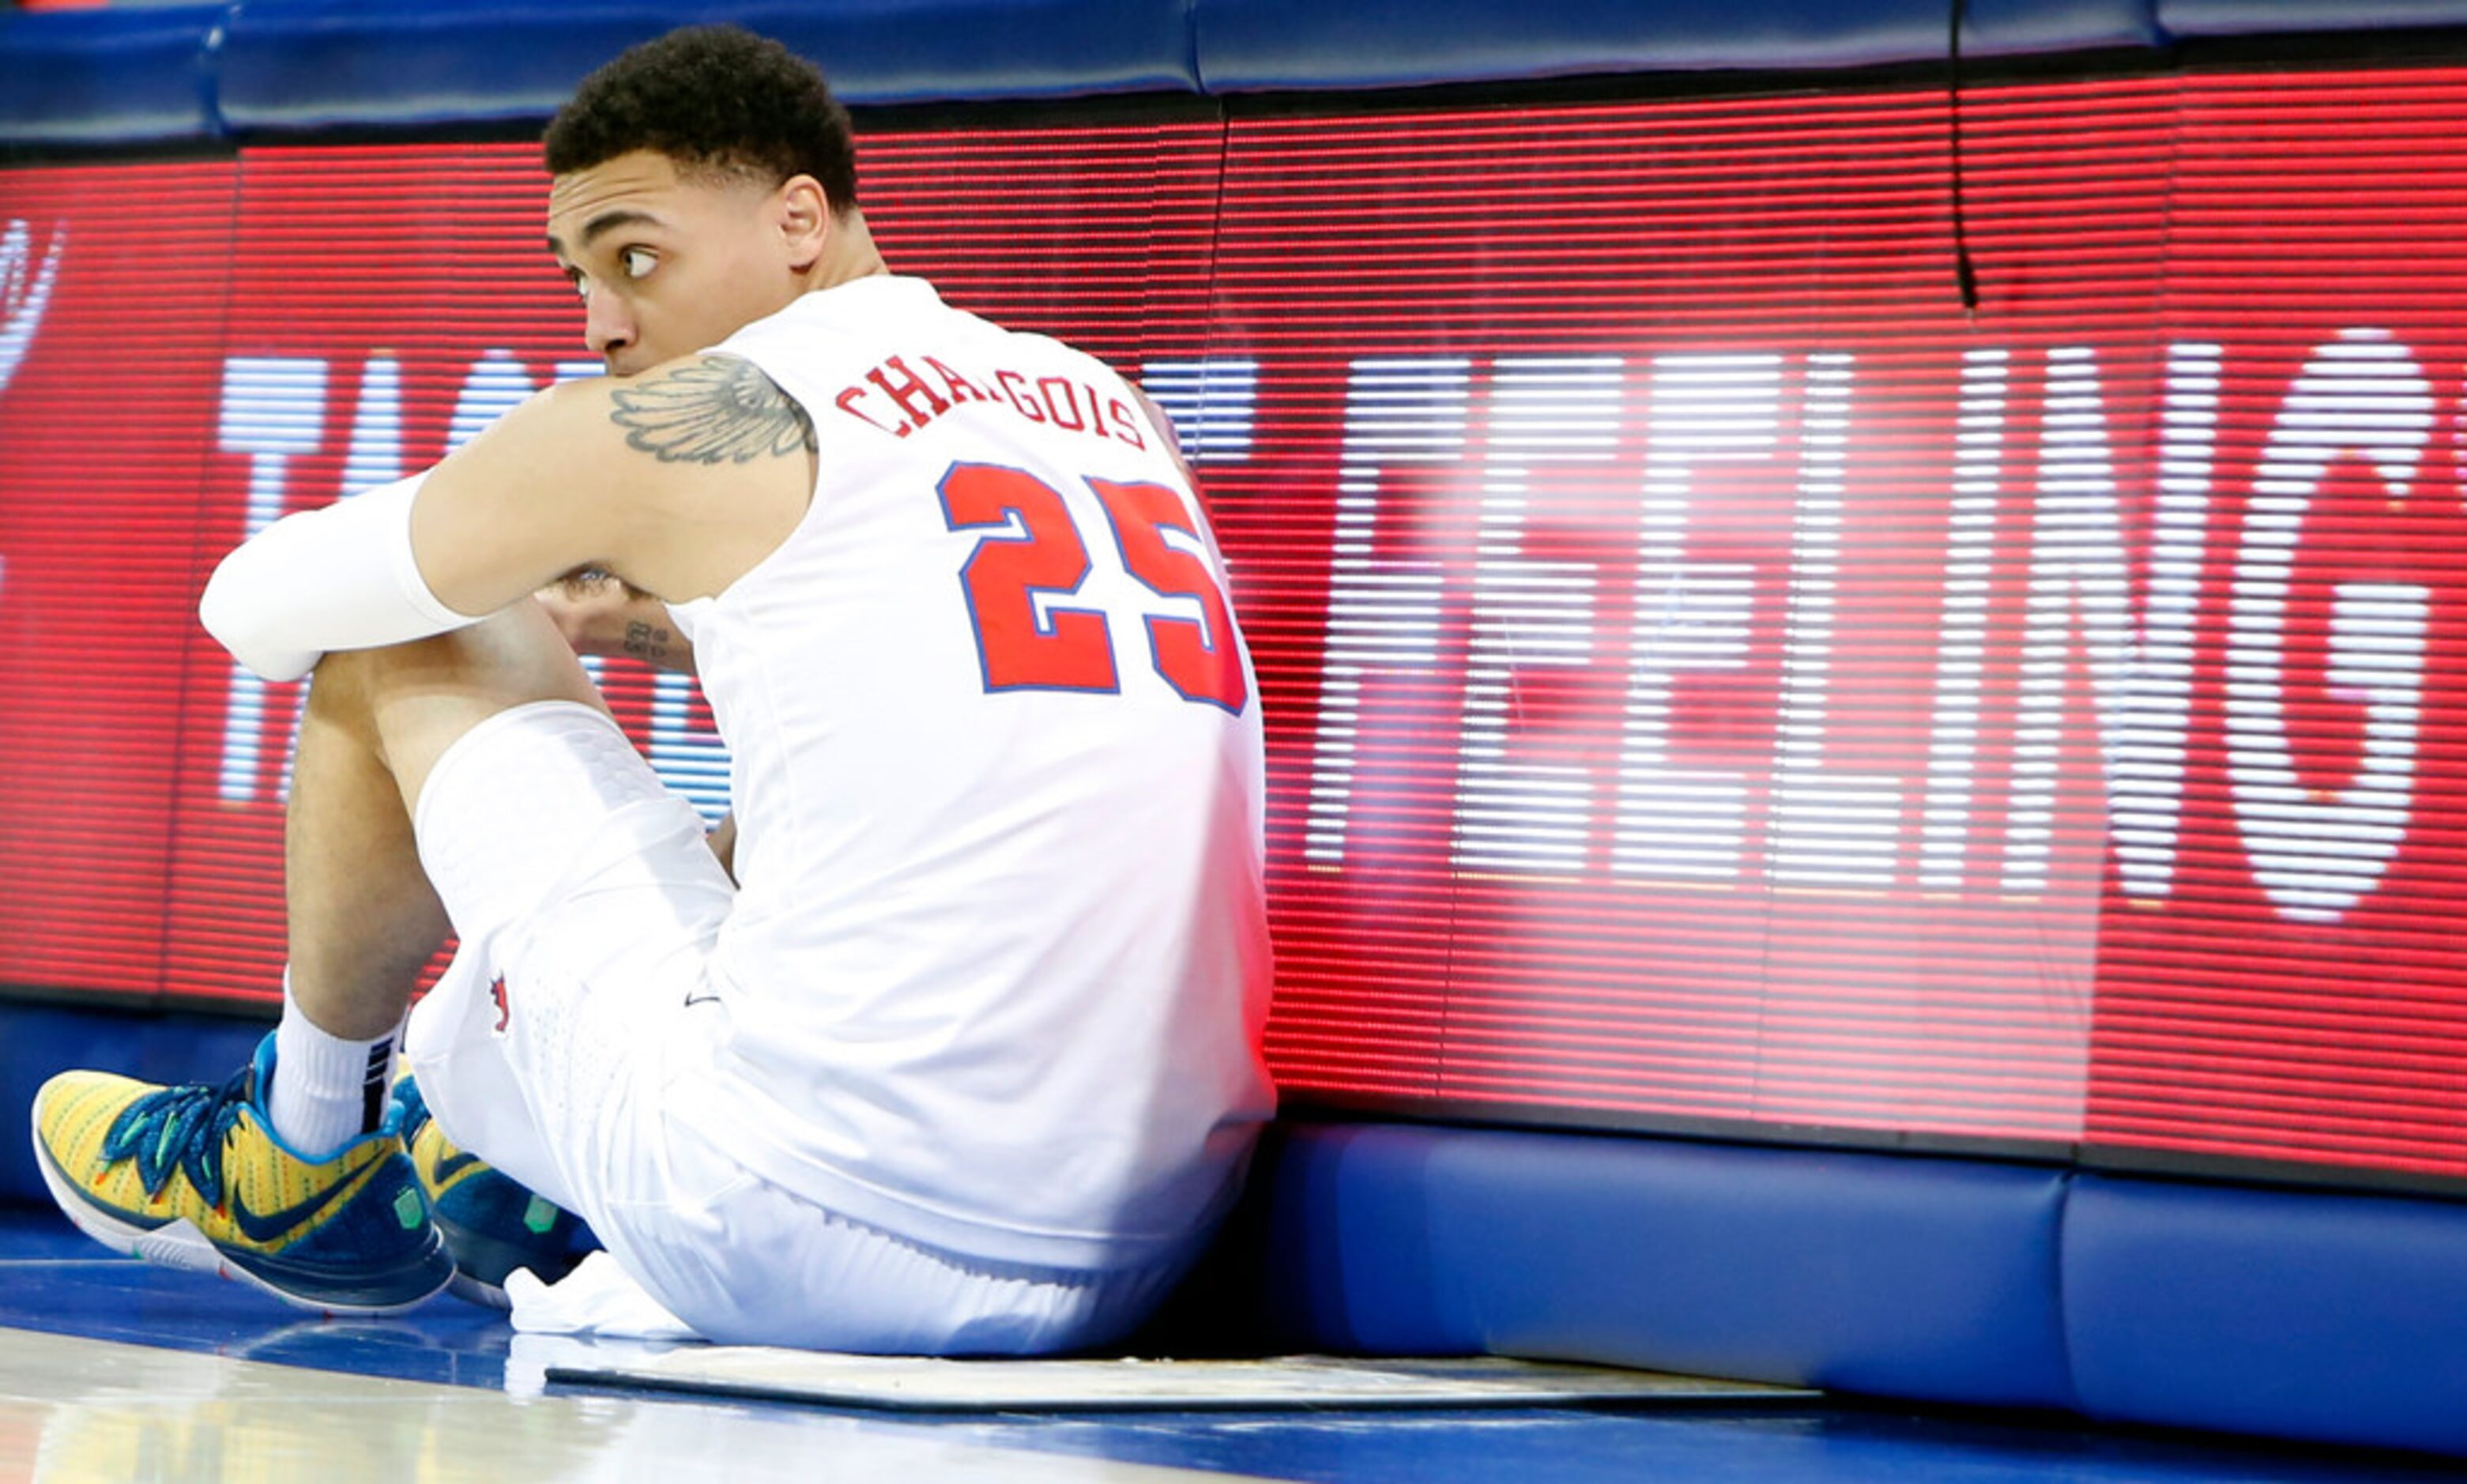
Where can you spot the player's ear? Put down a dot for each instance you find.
(805, 220)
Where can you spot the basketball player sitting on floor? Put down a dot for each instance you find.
(964, 1056)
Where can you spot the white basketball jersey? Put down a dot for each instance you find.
(1000, 963)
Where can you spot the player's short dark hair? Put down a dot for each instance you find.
(711, 97)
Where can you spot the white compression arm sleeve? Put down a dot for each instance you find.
(342, 578)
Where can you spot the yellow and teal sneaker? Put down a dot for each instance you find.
(194, 1177)
(492, 1225)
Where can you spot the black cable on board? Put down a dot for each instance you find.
(1965, 273)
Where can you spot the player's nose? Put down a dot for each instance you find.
(607, 328)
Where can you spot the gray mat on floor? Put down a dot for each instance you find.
(1289, 1382)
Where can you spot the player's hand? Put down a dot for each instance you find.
(599, 615)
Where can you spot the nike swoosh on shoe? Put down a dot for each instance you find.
(274, 1226)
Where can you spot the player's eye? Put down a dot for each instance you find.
(637, 261)
(582, 286)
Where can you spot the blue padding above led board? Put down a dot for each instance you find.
(313, 65)
(1283, 45)
(2190, 19)
(109, 76)
(152, 73)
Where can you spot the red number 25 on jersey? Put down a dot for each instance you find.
(1073, 649)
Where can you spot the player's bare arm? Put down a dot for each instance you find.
(714, 412)
(676, 483)
(596, 614)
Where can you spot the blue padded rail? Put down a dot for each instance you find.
(1263, 45)
(2336, 1317)
(158, 73)
(2190, 19)
(201, 72)
(308, 65)
(938, 51)
(108, 77)
(1915, 1277)
(2021, 28)
(327, 63)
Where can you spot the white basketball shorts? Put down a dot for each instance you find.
(583, 886)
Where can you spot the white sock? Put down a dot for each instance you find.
(327, 1090)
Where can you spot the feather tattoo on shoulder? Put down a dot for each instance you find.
(718, 409)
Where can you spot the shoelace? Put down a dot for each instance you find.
(180, 1128)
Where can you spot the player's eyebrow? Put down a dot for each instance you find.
(603, 224)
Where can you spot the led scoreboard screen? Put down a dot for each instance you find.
(1716, 679)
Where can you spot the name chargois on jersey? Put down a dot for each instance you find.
(896, 399)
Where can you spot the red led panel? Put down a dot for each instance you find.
(1618, 692)
(1099, 234)
(112, 280)
(372, 308)
(2302, 991)
(1715, 674)
(1715, 677)
(386, 304)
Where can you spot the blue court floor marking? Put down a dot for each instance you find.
(52, 1279)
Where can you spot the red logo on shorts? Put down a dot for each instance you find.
(503, 1015)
